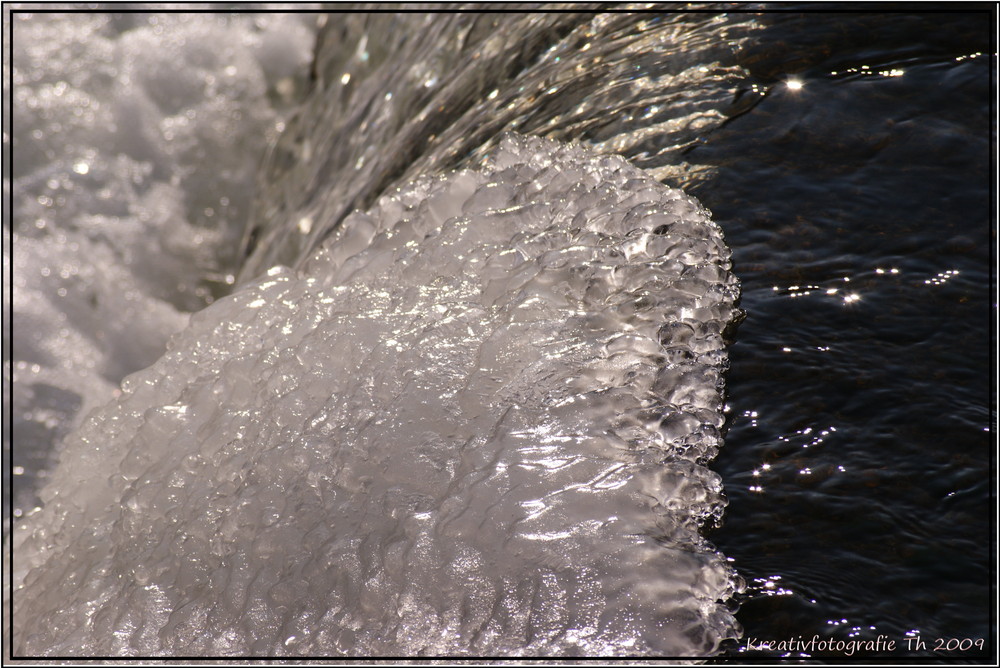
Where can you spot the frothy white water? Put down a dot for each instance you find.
(476, 422)
(136, 142)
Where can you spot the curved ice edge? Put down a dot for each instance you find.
(474, 424)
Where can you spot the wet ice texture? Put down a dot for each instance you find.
(476, 423)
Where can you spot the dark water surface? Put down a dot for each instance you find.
(859, 461)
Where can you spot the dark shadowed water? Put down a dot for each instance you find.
(859, 460)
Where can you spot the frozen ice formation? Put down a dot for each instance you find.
(475, 423)
(135, 148)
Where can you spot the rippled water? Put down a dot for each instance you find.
(859, 461)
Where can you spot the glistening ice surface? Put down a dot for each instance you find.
(476, 422)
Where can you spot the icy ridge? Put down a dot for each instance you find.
(475, 423)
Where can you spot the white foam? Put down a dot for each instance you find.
(135, 147)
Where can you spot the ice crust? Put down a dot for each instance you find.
(476, 422)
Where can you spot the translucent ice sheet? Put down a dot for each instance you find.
(475, 423)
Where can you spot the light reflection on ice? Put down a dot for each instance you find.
(402, 482)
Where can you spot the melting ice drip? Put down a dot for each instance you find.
(475, 423)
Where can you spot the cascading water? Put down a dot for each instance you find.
(472, 420)
(397, 96)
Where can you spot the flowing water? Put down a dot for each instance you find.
(846, 158)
